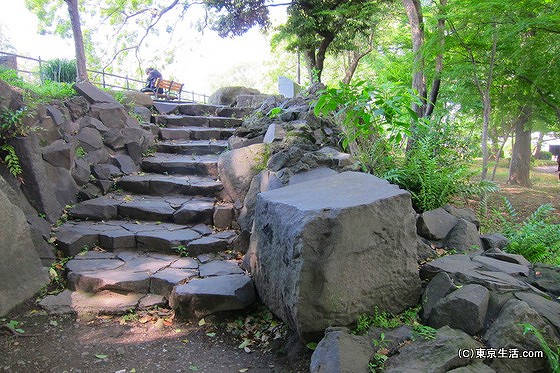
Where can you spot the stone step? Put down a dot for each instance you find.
(163, 185)
(213, 110)
(195, 133)
(116, 282)
(176, 209)
(181, 164)
(135, 272)
(172, 120)
(73, 237)
(194, 147)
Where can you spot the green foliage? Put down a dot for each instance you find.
(375, 120)
(552, 353)
(59, 70)
(11, 125)
(386, 320)
(80, 152)
(545, 155)
(436, 167)
(181, 250)
(15, 326)
(274, 112)
(36, 94)
(377, 362)
(11, 160)
(536, 238)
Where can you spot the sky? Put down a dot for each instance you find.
(203, 61)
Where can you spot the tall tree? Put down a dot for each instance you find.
(74, 13)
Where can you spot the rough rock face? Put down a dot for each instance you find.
(340, 351)
(21, 273)
(238, 167)
(323, 252)
(228, 95)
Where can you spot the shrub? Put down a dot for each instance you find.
(436, 167)
(375, 120)
(59, 70)
(536, 238)
(544, 156)
(36, 94)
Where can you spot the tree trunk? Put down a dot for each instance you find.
(486, 108)
(415, 18)
(538, 148)
(521, 154)
(78, 40)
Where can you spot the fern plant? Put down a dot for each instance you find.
(536, 238)
(435, 169)
(11, 160)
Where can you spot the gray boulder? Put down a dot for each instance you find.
(439, 355)
(546, 277)
(463, 309)
(464, 237)
(435, 224)
(440, 286)
(493, 241)
(341, 352)
(506, 333)
(204, 296)
(238, 167)
(322, 252)
(228, 96)
(21, 272)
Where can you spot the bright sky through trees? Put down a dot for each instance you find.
(203, 61)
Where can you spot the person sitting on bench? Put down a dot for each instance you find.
(153, 75)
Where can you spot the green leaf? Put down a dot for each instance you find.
(101, 356)
(311, 345)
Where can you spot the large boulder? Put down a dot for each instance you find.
(325, 251)
(506, 334)
(237, 169)
(439, 355)
(21, 272)
(228, 95)
(341, 352)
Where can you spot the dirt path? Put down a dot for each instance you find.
(147, 343)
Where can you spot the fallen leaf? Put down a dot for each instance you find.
(185, 341)
(245, 343)
(53, 323)
(201, 322)
(243, 370)
(101, 356)
(311, 346)
(211, 334)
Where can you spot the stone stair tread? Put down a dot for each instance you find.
(195, 133)
(181, 164)
(136, 206)
(142, 273)
(198, 121)
(195, 147)
(160, 185)
(73, 237)
(203, 296)
(105, 302)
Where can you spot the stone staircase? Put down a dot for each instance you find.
(129, 245)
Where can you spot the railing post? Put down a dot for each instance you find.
(40, 68)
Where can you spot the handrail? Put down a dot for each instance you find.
(196, 97)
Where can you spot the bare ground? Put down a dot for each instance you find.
(148, 342)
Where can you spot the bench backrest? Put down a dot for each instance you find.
(169, 85)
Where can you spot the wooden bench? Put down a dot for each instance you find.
(171, 90)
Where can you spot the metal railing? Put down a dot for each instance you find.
(101, 78)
